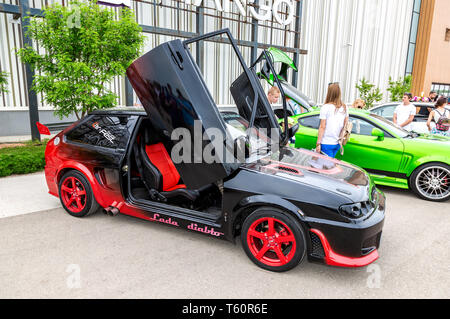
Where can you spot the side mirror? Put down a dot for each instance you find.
(378, 133)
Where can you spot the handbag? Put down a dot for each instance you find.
(344, 139)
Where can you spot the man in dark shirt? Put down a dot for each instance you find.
(426, 110)
(432, 96)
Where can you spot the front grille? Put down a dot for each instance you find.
(370, 244)
(316, 246)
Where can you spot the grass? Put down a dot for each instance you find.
(25, 159)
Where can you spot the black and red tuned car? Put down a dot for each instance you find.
(285, 204)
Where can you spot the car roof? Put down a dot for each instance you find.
(396, 103)
(123, 110)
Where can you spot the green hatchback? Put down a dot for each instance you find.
(392, 156)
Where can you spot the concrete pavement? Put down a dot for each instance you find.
(24, 194)
(50, 254)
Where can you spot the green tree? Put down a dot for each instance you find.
(85, 47)
(369, 93)
(399, 87)
(3, 82)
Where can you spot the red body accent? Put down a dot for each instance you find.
(160, 158)
(43, 129)
(107, 193)
(62, 157)
(334, 259)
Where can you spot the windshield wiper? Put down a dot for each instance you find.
(412, 134)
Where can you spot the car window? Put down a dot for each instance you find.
(237, 123)
(103, 130)
(386, 111)
(310, 121)
(361, 127)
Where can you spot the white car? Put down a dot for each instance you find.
(419, 125)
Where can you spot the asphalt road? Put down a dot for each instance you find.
(50, 254)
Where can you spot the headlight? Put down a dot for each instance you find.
(356, 210)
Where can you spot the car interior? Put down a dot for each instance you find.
(154, 177)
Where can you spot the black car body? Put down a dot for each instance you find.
(284, 203)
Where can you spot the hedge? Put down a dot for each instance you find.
(22, 159)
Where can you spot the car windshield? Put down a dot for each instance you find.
(237, 126)
(397, 130)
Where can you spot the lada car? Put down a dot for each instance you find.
(285, 204)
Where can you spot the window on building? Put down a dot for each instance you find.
(413, 36)
(441, 88)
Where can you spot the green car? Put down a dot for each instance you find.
(392, 156)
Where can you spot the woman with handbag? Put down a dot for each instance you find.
(441, 117)
(333, 122)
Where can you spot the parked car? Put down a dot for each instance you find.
(393, 157)
(419, 123)
(285, 205)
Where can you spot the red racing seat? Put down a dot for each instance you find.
(159, 173)
(159, 157)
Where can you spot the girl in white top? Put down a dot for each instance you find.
(439, 111)
(333, 120)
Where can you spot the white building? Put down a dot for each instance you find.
(345, 41)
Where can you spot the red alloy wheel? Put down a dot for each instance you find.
(73, 194)
(271, 241)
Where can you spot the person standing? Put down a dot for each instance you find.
(333, 120)
(433, 96)
(273, 95)
(440, 115)
(359, 104)
(404, 113)
(295, 107)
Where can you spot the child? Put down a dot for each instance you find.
(359, 104)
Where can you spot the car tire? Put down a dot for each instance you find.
(262, 239)
(76, 195)
(431, 182)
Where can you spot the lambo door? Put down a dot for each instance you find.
(176, 98)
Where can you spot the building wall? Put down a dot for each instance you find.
(351, 39)
(438, 64)
(346, 40)
(422, 46)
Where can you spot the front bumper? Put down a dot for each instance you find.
(334, 259)
(352, 244)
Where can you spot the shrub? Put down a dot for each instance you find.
(369, 93)
(3, 82)
(399, 87)
(22, 159)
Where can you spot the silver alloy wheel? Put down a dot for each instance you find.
(433, 182)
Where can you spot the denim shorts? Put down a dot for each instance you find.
(330, 150)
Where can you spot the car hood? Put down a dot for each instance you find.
(433, 138)
(316, 170)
